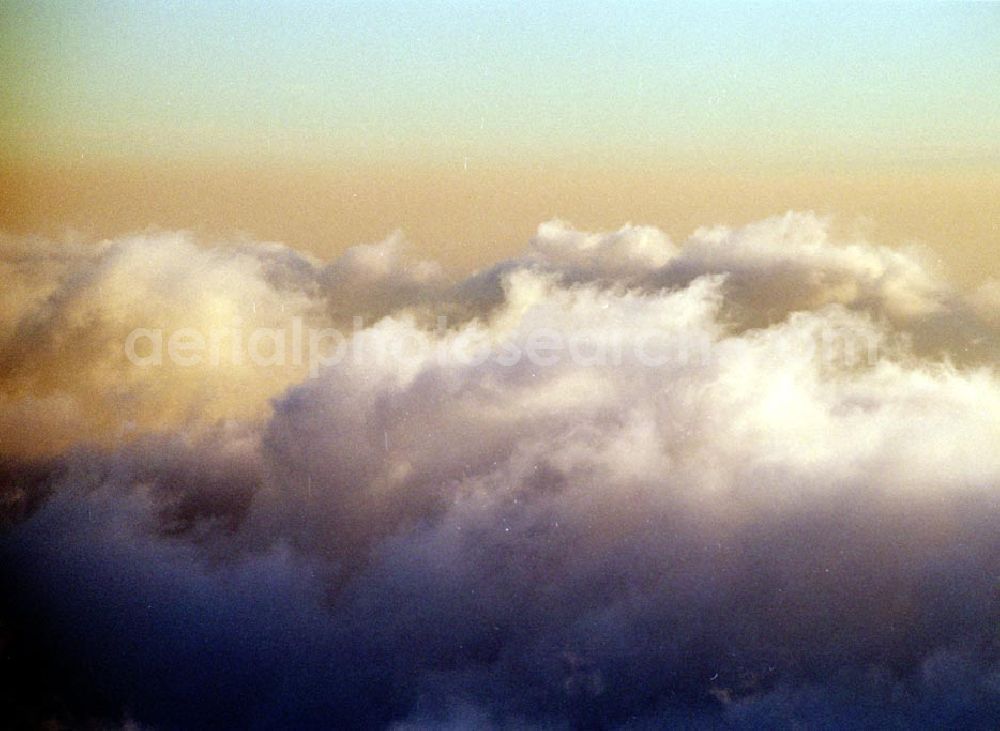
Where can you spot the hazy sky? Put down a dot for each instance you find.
(465, 124)
(324, 79)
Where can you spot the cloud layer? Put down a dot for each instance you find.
(778, 527)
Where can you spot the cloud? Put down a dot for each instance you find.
(788, 518)
(986, 301)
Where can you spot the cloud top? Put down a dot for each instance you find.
(775, 528)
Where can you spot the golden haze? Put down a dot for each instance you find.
(467, 214)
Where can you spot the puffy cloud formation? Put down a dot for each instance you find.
(750, 480)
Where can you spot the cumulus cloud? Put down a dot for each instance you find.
(749, 480)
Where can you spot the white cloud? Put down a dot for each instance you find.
(726, 538)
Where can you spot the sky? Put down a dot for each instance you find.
(328, 124)
(858, 81)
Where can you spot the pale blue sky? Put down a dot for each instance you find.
(315, 78)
